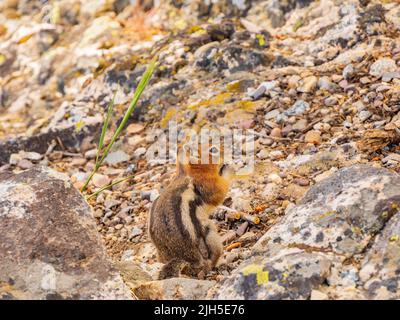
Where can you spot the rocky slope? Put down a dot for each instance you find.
(316, 81)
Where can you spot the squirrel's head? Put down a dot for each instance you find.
(203, 159)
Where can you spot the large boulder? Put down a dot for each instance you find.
(49, 246)
(340, 214)
(313, 245)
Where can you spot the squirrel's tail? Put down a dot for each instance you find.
(172, 269)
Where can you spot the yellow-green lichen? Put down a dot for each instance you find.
(216, 100)
(261, 40)
(168, 116)
(233, 86)
(324, 215)
(262, 277)
(246, 105)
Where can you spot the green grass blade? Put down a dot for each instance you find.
(138, 92)
(105, 126)
(94, 194)
(142, 85)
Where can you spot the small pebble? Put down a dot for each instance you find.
(34, 156)
(298, 108)
(325, 83)
(348, 72)
(100, 180)
(272, 114)
(257, 93)
(134, 128)
(309, 84)
(276, 154)
(276, 133)
(381, 66)
(136, 232)
(263, 154)
(336, 77)
(330, 101)
(313, 136)
(77, 162)
(365, 80)
(98, 213)
(139, 152)
(343, 84)
(274, 178)
(388, 76)
(300, 125)
(91, 154)
(116, 157)
(25, 164)
(293, 81)
(301, 182)
(286, 130)
(131, 169)
(364, 115)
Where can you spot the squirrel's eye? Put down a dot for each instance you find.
(214, 150)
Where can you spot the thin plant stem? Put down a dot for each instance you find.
(141, 86)
(94, 194)
(105, 127)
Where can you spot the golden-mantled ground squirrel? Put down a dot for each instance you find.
(186, 239)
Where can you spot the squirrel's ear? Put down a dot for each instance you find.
(180, 170)
(180, 158)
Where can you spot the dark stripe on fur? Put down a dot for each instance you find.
(152, 214)
(193, 205)
(177, 203)
(196, 202)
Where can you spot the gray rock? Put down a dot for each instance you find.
(49, 246)
(348, 72)
(131, 169)
(273, 114)
(91, 154)
(139, 152)
(273, 276)
(265, 87)
(300, 125)
(136, 232)
(388, 76)
(381, 66)
(25, 164)
(298, 108)
(150, 195)
(257, 93)
(70, 138)
(380, 269)
(340, 213)
(309, 84)
(325, 83)
(116, 157)
(364, 115)
(263, 154)
(34, 156)
(277, 11)
(383, 88)
(216, 57)
(392, 157)
(330, 101)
